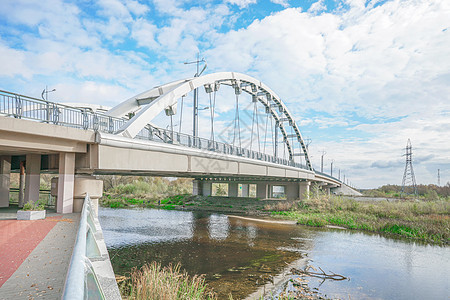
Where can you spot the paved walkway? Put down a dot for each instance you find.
(35, 255)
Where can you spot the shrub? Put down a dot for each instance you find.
(30, 205)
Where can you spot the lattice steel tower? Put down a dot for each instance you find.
(409, 185)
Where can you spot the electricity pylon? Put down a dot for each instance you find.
(409, 185)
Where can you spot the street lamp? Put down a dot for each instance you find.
(46, 92)
(321, 161)
(195, 108)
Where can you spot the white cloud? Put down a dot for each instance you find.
(114, 8)
(13, 63)
(137, 8)
(317, 7)
(144, 33)
(284, 3)
(242, 3)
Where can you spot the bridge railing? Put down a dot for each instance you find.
(81, 281)
(328, 176)
(24, 107)
(177, 138)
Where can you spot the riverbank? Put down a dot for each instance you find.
(427, 221)
(220, 204)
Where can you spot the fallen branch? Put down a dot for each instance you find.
(322, 275)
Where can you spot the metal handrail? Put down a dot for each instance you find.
(80, 269)
(327, 175)
(24, 107)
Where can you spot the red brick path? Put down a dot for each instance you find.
(17, 240)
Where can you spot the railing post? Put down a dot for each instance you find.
(18, 113)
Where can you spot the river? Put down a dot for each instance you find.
(239, 256)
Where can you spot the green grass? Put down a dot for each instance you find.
(168, 207)
(428, 221)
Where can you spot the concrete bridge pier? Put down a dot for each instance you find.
(201, 188)
(5, 171)
(65, 183)
(305, 189)
(86, 184)
(326, 188)
(33, 177)
(233, 188)
(197, 187)
(207, 188)
(245, 191)
(262, 191)
(292, 190)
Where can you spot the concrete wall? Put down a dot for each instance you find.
(345, 190)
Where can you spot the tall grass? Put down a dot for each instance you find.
(165, 283)
(423, 220)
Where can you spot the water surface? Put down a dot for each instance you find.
(238, 256)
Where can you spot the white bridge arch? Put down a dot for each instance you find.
(149, 104)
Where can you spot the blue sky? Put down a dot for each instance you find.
(360, 77)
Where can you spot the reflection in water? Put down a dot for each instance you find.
(239, 255)
(133, 227)
(218, 226)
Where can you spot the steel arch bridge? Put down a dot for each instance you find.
(145, 107)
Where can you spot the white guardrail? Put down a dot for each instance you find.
(90, 274)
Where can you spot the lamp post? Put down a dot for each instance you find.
(195, 106)
(46, 92)
(321, 161)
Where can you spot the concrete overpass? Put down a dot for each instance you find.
(37, 135)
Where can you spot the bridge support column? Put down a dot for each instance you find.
(261, 190)
(66, 179)
(292, 191)
(207, 188)
(5, 171)
(233, 189)
(245, 190)
(304, 189)
(86, 185)
(327, 189)
(197, 187)
(33, 177)
(269, 191)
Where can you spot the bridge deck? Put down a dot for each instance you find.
(35, 255)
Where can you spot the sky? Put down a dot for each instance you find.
(359, 77)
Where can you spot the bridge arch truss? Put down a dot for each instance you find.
(146, 106)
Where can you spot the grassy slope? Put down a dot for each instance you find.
(428, 221)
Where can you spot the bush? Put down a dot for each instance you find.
(30, 205)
